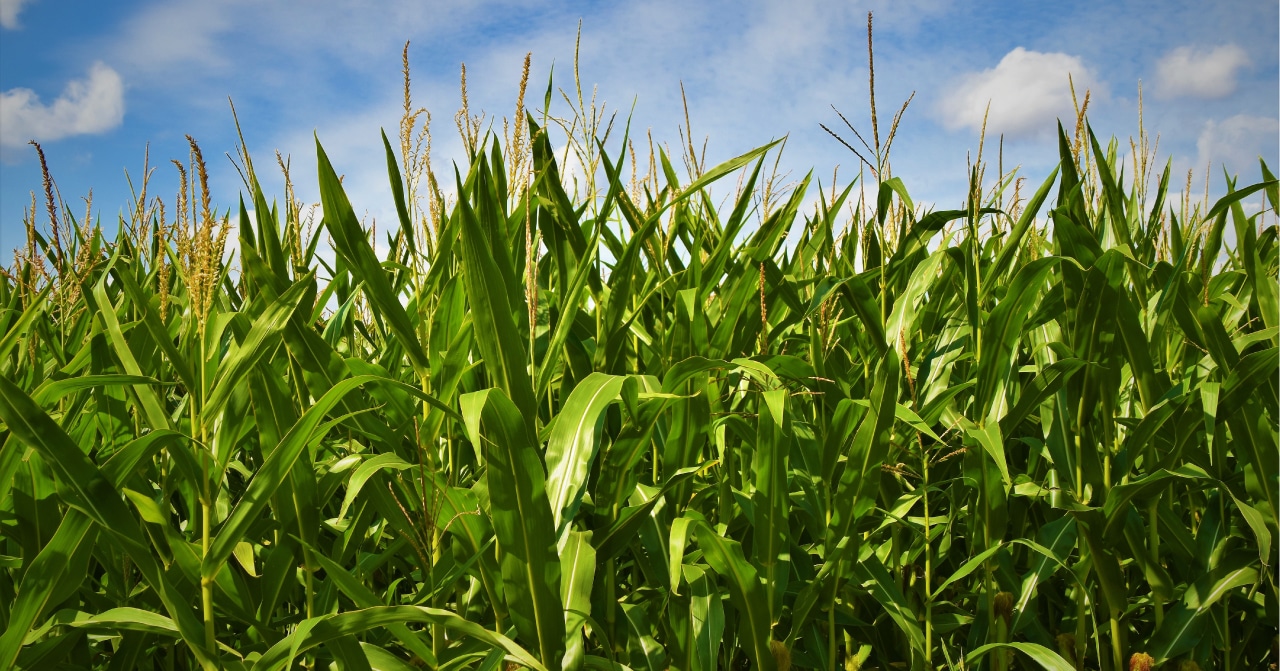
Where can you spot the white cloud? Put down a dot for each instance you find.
(1027, 91)
(9, 10)
(86, 106)
(1199, 73)
(168, 37)
(1237, 142)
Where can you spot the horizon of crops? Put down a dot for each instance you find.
(633, 429)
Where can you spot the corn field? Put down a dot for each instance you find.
(633, 427)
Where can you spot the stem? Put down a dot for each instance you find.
(1081, 551)
(206, 503)
(611, 602)
(831, 621)
(928, 565)
(831, 631)
(1153, 541)
(1079, 469)
(726, 490)
(1080, 612)
(1117, 651)
(1226, 613)
(311, 581)
(438, 642)
(1002, 657)
(986, 565)
(206, 583)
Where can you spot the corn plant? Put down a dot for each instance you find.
(638, 429)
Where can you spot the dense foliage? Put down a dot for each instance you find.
(635, 429)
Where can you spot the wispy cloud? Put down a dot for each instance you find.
(1236, 142)
(91, 105)
(233, 37)
(9, 10)
(753, 71)
(1199, 73)
(1027, 90)
(171, 37)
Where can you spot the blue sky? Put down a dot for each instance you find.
(94, 82)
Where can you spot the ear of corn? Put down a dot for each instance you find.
(633, 429)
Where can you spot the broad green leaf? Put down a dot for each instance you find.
(35, 308)
(522, 520)
(772, 547)
(967, 568)
(280, 461)
(876, 579)
(1116, 506)
(261, 341)
(363, 597)
(572, 446)
(103, 309)
(577, 575)
(726, 559)
(1046, 383)
(1181, 631)
(366, 470)
(902, 320)
(350, 242)
(1001, 333)
(1046, 658)
(855, 495)
(97, 499)
(329, 627)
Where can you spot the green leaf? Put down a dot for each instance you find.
(1046, 658)
(397, 193)
(1201, 599)
(621, 533)
(330, 627)
(260, 341)
(148, 510)
(130, 619)
(1045, 384)
(876, 579)
(280, 462)
(1105, 563)
(363, 597)
(1258, 525)
(707, 619)
(98, 499)
(679, 538)
(988, 437)
(569, 299)
(1013, 243)
(54, 390)
(496, 334)
(1181, 631)
(968, 567)
(521, 519)
(366, 470)
(772, 544)
(349, 241)
(105, 311)
(151, 320)
(45, 573)
(1116, 506)
(1002, 331)
(726, 559)
(901, 326)
(859, 483)
(16, 330)
(572, 446)
(577, 575)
